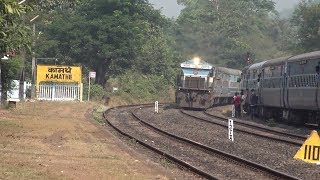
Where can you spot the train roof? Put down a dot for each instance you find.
(257, 65)
(310, 55)
(201, 65)
(275, 62)
(229, 71)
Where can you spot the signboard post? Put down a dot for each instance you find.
(91, 75)
(156, 107)
(230, 130)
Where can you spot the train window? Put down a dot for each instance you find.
(303, 62)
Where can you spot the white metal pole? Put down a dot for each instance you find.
(89, 89)
(0, 85)
(230, 130)
(156, 107)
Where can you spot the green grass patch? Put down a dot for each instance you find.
(9, 124)
(97, 113)
(271, 122)
(22, 171)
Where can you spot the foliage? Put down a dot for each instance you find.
(97, 92)
(107, 36)
(9, 71)
(145, 88)
(306, 21)
(13, 37)
(13, 33)
(222, 32)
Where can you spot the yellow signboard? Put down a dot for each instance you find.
(55, 73)
(310, 150)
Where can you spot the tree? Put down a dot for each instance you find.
(13, 34)
(13, 37)
(222, 32)
(105, 36)
(306, 21)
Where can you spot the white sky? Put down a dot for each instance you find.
(172, 9)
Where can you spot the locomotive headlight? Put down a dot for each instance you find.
(196, 61)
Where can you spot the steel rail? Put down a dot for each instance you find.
(247, 132)
(225, 154)
(257, 127)
(166, 155)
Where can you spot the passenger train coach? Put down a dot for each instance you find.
(200, 85)
(287, 87)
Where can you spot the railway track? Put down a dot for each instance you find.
(266, 133)
(259, 127)
(199, 158)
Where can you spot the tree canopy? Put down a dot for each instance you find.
(109, 37)
(223, 32)
(306, 21)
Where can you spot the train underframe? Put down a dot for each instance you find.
(290, 116)
(200, 99)
(194, 98)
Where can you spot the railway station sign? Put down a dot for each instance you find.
(56, 73)
(310, 150)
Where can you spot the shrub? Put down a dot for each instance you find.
(137, 88)
(96, 92)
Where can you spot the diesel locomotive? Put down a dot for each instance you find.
(200, 85)
(287, 87)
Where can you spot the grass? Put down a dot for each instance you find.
(271, 122)
(97, 113)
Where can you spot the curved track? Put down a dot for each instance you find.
(266, 134)
(262, 128)
(185, 149)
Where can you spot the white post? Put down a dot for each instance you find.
(233, 111)
(156, 107)
(230, 130)
(89, 89)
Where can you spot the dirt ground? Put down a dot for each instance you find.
(61, 140)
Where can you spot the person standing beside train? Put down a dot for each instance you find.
(236, 103)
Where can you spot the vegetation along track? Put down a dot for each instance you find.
(205, 161)
(266, 133)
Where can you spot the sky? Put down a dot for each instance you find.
(172, 9)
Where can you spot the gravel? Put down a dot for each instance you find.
(209, 162)
(273, 154)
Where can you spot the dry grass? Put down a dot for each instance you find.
(55, 140)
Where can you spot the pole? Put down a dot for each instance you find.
(89, 89)
(33, 81)
(1, 92)
(21, 81)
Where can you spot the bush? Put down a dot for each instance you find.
(137, 88)
(96, 92)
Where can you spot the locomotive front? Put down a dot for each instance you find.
(195, 84)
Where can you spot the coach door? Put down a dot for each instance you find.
(282, 86)
(285, 84)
